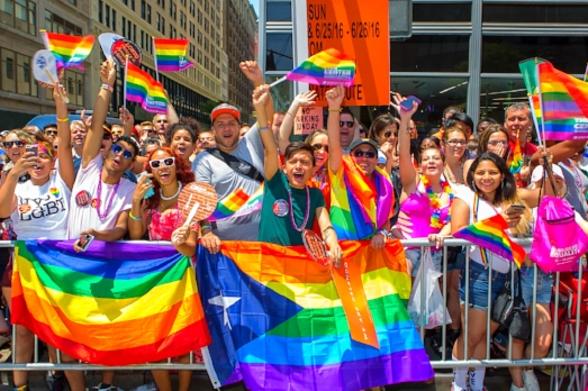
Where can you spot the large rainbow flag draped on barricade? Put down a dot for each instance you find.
(277, 322)
(115, 304)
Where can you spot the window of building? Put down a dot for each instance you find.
(172, 10)
(124, 27)
(497, 93)
(430, 53)
(23, 74)
(107, 15)
(501, 54)
(444, 13)
(536, 13)
(58, 24)
(8, 58)
(20, 14)
(113, 20)
(278, 52)
(100, 12)
(279, 11)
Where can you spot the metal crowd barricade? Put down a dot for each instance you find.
(576, 359)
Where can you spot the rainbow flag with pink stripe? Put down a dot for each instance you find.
(170, 54)
(491, 235)
(237, 204)
(70, 51)
(564, 102)
(329, 67)
(517, 159)
(145, 90)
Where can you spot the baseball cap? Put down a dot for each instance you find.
(360, 141)
(537, 174)
(225, 108)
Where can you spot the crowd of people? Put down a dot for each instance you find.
(122, 181)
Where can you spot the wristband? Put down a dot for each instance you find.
(107, 87)
(133, 217)
(335, 110)
(62, 119)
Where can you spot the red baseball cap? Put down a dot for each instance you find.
(225, 108)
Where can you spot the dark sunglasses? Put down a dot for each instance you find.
(367, 154)
(10, 144)
(51, 132)
(116, 149)
(318, 147)
(168, 161)
(106, 136)
(346, 124)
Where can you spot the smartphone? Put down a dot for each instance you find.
(516, 209)
(406, 105)
(34, 149)
(84, 241)
(150, 192)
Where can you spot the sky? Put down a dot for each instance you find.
(255, 5)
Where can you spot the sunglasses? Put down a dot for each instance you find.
(51, 132)
(346, 124)
(10, 144)
(367, 154)
(116, 149)
(388, 134)
(318, 147)
(168, 162)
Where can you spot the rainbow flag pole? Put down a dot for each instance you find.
(125, 83)
(155, 59)
(540, 103)
(275, 83)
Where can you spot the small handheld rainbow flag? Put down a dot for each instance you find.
(141, 88)
(564, 100)
(70, 51)
(491, 234)
(237, 204)
(517, 159)
(329, 67)
(170, 54)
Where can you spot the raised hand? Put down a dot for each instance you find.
(252, 71)
(335, 97)
(125, 116)
(406, 115)
(260, 96)
(142, 188)
(108, 72)
(305, 99)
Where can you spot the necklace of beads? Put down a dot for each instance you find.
(435, 201)
(306, 213)
(173, 195)
(102, 215)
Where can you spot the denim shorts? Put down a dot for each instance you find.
(478, 285)
(544, 285)
(414, 256)
(455, 258)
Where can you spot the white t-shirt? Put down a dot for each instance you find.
(485, 211)
(42, 211)
(83, 212)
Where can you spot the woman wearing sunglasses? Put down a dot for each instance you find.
(495, 140)
(357, 183)
(426, 195)
(39, 205)
(155, 212)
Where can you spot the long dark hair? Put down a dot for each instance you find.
(507, 190)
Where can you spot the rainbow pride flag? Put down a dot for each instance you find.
(516, 162)
(70, 51)
(528, 70)
(329, 67)
(277, 321)
(143, 89)
(238, 204)
(491, 234)
(564, 104)
(359, 206)
(115, 304)
(170, 54)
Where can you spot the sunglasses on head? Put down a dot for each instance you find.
(367, 154)
(168, 161)
(318, 147)
(116, 149)
(10, 144)
(345, 124)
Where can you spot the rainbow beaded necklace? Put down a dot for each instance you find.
(435, 200)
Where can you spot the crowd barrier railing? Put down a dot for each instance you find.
(570, 353)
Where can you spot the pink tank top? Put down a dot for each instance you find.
(164, 223)
(414, 219)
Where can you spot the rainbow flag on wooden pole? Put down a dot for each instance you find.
(115, 304)
(70, 51)
(170, 55)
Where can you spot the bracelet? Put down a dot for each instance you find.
(335, 110)
(62, 119)
(263, 128)
(328, 228)
(133, 217)
(107, 87)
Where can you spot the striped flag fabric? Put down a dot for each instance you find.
(237, 204)
(329, 67)
(70, 51)
(170, 54)
(115, 304)
(491, 235)
(277, 320)
(143, 89)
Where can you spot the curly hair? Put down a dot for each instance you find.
(184, 175)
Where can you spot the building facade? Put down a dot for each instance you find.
(193, 92)
(241, 44)
(461, 52)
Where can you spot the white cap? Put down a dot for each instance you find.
(537, 174)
